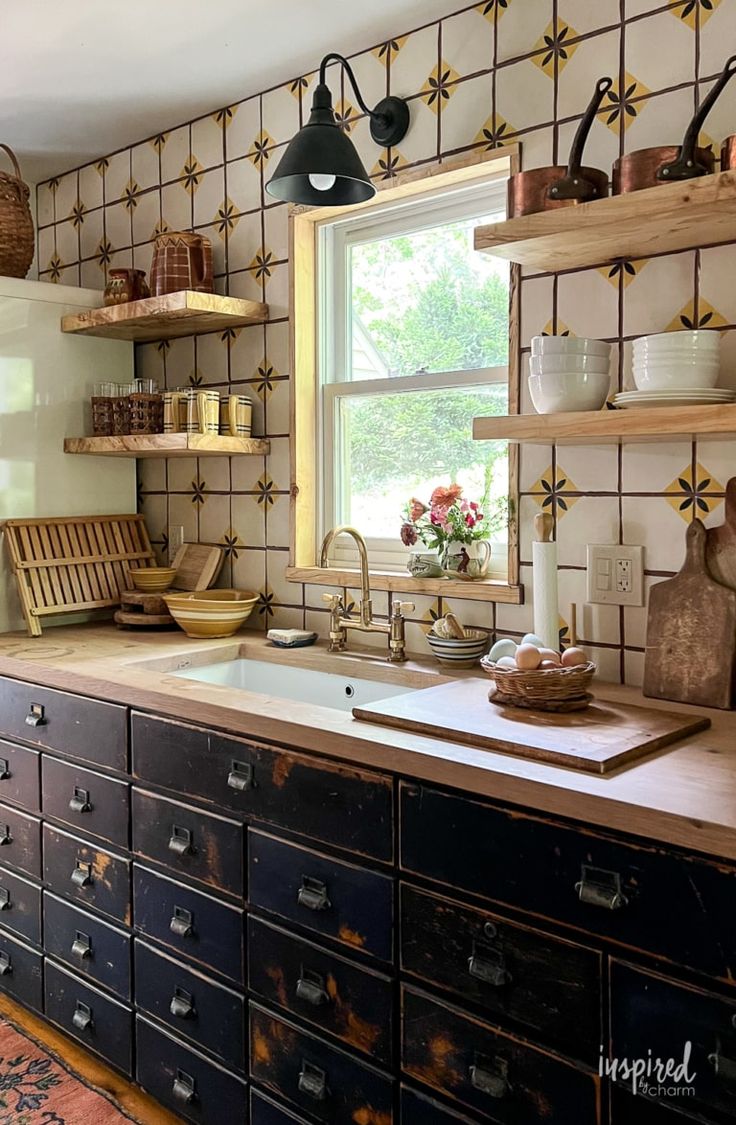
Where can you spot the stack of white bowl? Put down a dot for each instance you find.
(676, 369)
(568, 373)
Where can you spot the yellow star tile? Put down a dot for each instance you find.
(707, 317)
(627, 270)
(430, 616)
(258, 151)
(438, 85)
(486, 9)
(494, 132)
(692, 495)
(613, 111)
(550, 45)
(688, 14)
(543, 484)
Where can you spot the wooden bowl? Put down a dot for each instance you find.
(152, 579)
(211, 613)
(545, 688)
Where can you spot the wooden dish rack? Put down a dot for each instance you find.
(72, 564)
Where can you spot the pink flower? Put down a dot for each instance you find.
(443, 498)
(416, 509)
(470, 519)
(474, 506)
(408, 534)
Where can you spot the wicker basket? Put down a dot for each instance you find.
(146, 413)
(17, 236)
(101, 416)
(546, 686)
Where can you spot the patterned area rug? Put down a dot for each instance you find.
(37, 1088)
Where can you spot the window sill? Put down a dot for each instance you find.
(482, 590)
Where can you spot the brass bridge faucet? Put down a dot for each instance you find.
(340, 620)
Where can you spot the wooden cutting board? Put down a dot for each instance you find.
(197, 566)
(691, 633)
(602, 738)
(720, 543)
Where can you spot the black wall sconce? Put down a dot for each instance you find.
(321, 166)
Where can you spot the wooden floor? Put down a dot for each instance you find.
(129, 1097)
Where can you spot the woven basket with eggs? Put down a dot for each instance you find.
(542, 684)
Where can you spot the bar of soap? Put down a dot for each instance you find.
(291, 638)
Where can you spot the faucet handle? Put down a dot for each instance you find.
(333, 600)
(402, 608)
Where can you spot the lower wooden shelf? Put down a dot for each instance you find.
(167, 445)
(653, 423)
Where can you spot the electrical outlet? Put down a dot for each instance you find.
(176, 538)
(615, 574)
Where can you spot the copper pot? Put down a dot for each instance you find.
(545, 189)
(666, 164)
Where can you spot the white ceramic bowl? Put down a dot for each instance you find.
(569, 345)
(674, 376)
(462, 653)
(582, 390)
(552, 364)
(697, 341)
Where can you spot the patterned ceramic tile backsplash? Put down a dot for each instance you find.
(499, 71)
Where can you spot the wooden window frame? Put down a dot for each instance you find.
(304, 226)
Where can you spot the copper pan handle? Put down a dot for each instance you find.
(573, 185)
(686, 165)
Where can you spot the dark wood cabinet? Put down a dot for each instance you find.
(283, 939)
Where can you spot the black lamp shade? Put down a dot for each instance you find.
(321, 148)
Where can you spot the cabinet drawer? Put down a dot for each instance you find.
(626, 1109)
(418, 1109)
(195, 845)
(265, 1112)
(21, 972)
(200, 927)
(93, 803)
(20, 840)
(489, 1072)
(88, 874)
(185, 1081)
(20, 906)
(339, 900)
(351, 1003)
(321, 1080)
(20, 780)
(652, 1014)
(548, 989)
(336, 804)
(192, 1005)
(101, 1024)
(72, 724)
(91, 947)
(621, 891)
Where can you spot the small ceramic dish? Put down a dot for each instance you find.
(152, 579)
(460, 653)
(211, 613)
(555, 394)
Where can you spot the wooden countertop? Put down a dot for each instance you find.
(685, 795)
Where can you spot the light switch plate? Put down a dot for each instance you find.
(615, 574)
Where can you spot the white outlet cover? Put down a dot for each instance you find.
(602, 568)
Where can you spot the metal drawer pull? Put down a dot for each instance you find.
(311, 988)
(36, 716)
(5, 837)
(184, 1088)
(5, 903)
(488, 965)
(82, 1017)
(182, 1004)
(82, 945)
(81, 876)
(4, 769)
(6, 967)
(723, 1067)
(241, 776)
(180, 840)
(490, 1076)
(80, 801)
(313, 894)
(598, 887)
(182, 922)
(312, 1081)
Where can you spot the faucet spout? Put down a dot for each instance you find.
(366, 614)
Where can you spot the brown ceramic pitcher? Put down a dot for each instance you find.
(181, 260)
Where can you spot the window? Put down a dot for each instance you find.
(413, 330)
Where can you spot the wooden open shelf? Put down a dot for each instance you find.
(162, 318)
(655, 423)
(167, 445)
(657, 220)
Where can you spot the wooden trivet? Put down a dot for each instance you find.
(147, 611)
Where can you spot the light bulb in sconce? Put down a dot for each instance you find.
(322, 182)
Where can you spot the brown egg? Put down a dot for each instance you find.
(550, 654)
(528, 657)
(548, 664)
(573, 656)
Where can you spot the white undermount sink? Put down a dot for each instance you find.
(304, 685)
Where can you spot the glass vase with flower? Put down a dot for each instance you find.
(455, 528)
